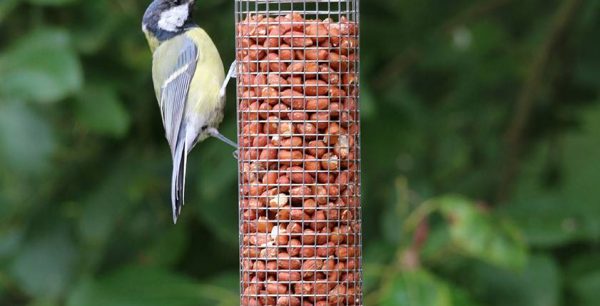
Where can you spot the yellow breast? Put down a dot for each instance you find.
(203, 96)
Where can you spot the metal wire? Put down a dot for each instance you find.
(299, 158)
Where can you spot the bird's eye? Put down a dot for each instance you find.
(204, 127)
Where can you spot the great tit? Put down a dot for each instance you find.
(189, 82)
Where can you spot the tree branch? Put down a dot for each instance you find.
(477, 10)
(526, 100)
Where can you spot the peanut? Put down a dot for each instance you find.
(320, 119)
(298, 175)
(317, 104)
(315, 54)
(288, 301)
(297, 39)
(284, 261)
(292, 98)
(310, 267)
(316, 88)
(317, 31)
(329, 75)
(330, 161)
(285, 52)
(272, 63)
(274, 288)
(256, 52)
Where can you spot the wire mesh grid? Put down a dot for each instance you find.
(299, 156)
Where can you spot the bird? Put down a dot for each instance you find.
(189, 82)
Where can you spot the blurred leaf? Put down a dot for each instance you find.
(97, 26)
(136, 55)
(108, 203)
(587, 66)
(543, 218)
(392, 221)
(10, 240)
(7, 6)
(45, 266)
(368, 106)
(40, 67)
(375, 255)
(102, 210)
(229, 280)
(587, 288)
(168, 247)
(51, 2)
(142, 286)
(26, 139)
(461, 298)
(537, 285)
(569, 212)
(225, 286)
(100, 110)
(217, 174)
(372, 276)
(480, 235)
(583, 279)
(42, 303)
(583, 264)
(417, 288)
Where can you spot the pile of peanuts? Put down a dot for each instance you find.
(299, 161)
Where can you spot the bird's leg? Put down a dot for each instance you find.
(232, 73)
(215, 133)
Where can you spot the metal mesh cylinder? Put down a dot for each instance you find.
(299, 156)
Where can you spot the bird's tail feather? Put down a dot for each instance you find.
(178, 180)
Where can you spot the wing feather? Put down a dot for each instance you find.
(174, 91)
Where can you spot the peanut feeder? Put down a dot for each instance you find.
(299, 152)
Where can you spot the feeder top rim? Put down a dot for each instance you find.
(293, 1)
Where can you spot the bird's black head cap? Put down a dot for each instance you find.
(168, 18)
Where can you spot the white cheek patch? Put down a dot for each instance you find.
(173, 18)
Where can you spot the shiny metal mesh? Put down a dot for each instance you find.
(299, 152)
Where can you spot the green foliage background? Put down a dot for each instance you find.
(493, 100)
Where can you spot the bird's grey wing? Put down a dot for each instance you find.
(174, 90)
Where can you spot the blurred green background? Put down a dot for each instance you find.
(481, 158)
